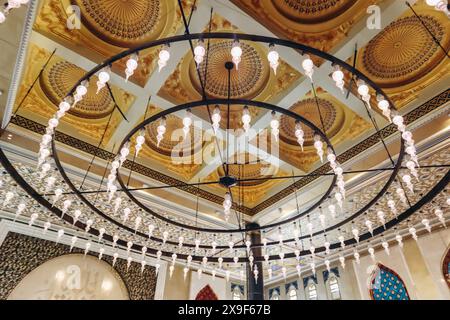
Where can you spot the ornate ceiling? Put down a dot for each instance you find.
(401, 58)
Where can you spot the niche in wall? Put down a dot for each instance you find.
(446, 267)
(386, 284)
(71, 277)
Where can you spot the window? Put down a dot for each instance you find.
(292, 293)
(386, 284)
(333, 286)
(236, 293)
(311, 291)
(275, 295)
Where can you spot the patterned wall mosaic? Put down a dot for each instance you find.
(20, 254)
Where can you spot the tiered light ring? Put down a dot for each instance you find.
(79, 90)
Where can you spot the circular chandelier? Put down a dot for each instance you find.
(148, 233)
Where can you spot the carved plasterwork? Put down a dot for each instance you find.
(109, 27)
(403, 58)
(87, 119)
(341, 124)
(320, 24)
(248, 193)
(253, 80)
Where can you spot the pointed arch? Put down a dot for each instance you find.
(386, 284)
(446, 267)
(207, 293)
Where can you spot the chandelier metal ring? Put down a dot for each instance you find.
(243, 102)
(441, 185)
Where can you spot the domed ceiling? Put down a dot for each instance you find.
(401, 58)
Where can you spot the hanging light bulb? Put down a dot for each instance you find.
(137, 223)
(342, 241)
(215, 117)
(166, 236)
(342, 261)
(407, 179)
(327, 247)
(338, 77)
(129, 260)
(235, 260)
(199, 52)
(355, 232)
(180, 242)
(115, 239)
(80, 91)
(2, 16)
(220, 261)
(236, 53)
(227, 204)
(143, 251)
(33, 219)
(73, 240)
(273, 58)
(88, 225)
(204, 261)
(274, 125)
(189, 260)
(87, 247)
(47, 225)
(230, 245)
(322, 219)
(338, 197)
(372, 253)
(308, 66)
(250, 261)
(383, 105)
(318, 144)
(57, 196)
(197, 245)
(151, 228)
(284, 272)
(199, 273)
(126, 214)
(187, 122)
(385, 245)
(411, 165)
(103, 77)
(426, 224)
(101, 232)
(213, 245)
(143, 264)
(227, 275)
(440, 215)
(363, 91)
(399, 240)
(161, 130)
(369, 226)
(401, 194)
(356, 256)
(213, 274)
(392, 207)
(59, 235)
(381, 218)
(132, 64)
(129, 245)
(332, 210)
(174, 258)
(398, 121)
(164, 56)
(269, 273)
(299, 134)
(246, 119)
(157, 266)
(115, 256)
(140, 140)
(100, 254)
(20, 208)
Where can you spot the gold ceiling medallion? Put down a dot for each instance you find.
(124, 23)
(404, 51)
(247, 82)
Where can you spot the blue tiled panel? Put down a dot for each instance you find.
(387, 285)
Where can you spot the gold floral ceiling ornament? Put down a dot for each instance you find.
(123, 23)
(247, 82)
(312, 11)
(404, 51)
(59, 78)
